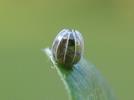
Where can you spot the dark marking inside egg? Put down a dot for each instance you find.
(70, 52)
(61, 51)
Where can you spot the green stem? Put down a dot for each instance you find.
(83, 81)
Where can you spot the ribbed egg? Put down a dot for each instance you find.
(67, 47)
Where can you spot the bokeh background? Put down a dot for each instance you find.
(27, 26)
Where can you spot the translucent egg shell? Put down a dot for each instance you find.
(68, 47)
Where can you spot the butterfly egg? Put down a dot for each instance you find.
(67, 48)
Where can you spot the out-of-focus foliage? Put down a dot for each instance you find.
(26, 26)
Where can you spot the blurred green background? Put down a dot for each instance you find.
(27, 26)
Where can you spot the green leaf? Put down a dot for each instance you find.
(83, 81)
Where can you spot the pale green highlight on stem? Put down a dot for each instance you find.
(83, 81)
